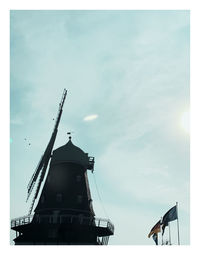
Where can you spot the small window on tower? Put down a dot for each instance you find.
(52, 233)
(42, 199)
(78, 178)
(59, 197)
(79, 199)
(48, 179)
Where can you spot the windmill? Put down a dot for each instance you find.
(64, 213)
(43, 163)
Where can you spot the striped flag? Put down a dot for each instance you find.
(155, 238)
(155, 229)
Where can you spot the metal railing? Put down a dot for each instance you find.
(21, 221)
(63, 218)
(103, 240)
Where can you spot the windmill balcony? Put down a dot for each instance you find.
(91, 163)
(103, 226)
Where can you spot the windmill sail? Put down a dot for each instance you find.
(43, 163)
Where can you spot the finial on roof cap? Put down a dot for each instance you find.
(69, 133)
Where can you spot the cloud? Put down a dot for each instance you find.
(143, 175)
(16, 121)
(90, 117)
(132, 69)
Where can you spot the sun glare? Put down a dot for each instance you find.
(185, 121)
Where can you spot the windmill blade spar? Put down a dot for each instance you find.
(43, 163)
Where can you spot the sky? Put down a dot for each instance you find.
(127, 76)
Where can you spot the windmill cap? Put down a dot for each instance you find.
(70, 153)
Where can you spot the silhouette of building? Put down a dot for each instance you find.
(64, 214)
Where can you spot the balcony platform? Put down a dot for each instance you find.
(102, 227)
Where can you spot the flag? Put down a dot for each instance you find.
(163, 227)
(169, 216)
(155, 229)
(155, 238)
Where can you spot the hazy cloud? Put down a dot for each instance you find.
(90, 117)
(130, 67)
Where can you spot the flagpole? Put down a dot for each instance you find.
(177, 223)
(169, 234)
(161, 230)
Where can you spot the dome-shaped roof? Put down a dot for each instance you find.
(70, 153)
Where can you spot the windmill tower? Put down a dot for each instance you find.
(64, 213)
